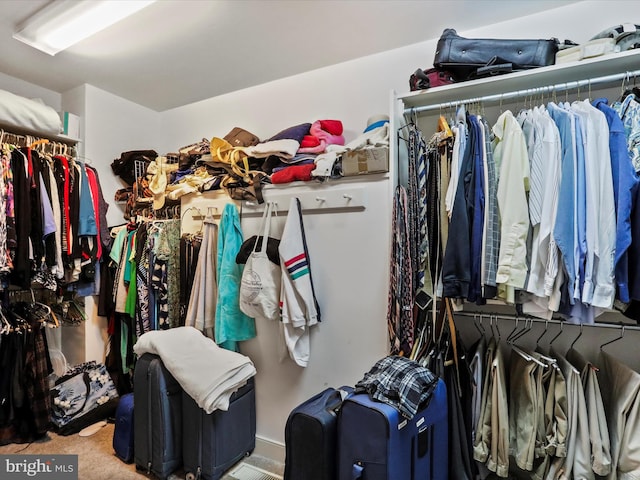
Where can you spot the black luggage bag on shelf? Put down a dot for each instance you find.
(467, 58)
(157, 418)
(311, 437)
(212, 443)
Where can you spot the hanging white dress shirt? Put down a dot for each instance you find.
(599, 287)
(544, 279)
(510, 154)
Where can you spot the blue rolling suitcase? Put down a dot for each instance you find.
(375, 442)
(213, 443)
(311, 437)
(157, 418)
(123, 429)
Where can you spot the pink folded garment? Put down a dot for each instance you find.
(322, 130)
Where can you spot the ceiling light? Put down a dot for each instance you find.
(66, 22)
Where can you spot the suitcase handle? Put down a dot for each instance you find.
(357, 471)
(333, 403)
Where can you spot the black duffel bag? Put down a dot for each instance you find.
(469, 58)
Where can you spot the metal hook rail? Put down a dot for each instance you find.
(510, 317)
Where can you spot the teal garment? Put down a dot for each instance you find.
(127, 260)
(231, 324)
(87, 216)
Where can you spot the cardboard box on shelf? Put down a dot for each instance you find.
(364, 161)
(70, 125)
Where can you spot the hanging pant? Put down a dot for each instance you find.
(620, 387)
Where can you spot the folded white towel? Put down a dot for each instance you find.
(208, 373)
(285, 148)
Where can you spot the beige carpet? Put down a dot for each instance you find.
(97, 461)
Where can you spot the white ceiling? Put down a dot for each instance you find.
(177, 52)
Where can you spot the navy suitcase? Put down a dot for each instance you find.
(123, 429)
(157, 417)
(212, 443)
(375, 442)
(311, 437)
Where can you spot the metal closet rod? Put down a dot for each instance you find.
(506, 316)
(559, 87)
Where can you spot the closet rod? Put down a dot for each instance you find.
(507, 316)
(559, 87)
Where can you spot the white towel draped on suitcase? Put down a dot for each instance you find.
(208, 373)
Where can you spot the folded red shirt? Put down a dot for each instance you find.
(293, 173)
(310, 141)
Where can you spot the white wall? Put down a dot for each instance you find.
(109, 126)
(349, 251)
(115, 125)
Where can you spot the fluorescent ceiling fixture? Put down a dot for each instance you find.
(66, 22)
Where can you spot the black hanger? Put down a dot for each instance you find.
(513, 332)
(528, 325)
(546, 325)
(557, 334)
(495, 333)
(576, 339)
(614, 340)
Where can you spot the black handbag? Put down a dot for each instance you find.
(467, 59)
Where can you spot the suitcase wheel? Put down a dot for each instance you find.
(194, 476)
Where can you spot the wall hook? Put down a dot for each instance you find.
(320, 199)
(348, 197)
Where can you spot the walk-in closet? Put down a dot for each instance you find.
(146, 169)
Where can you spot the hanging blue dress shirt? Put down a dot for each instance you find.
(564, 228)
(581, 207)
(625, 182)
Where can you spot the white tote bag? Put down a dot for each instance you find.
(260, 285)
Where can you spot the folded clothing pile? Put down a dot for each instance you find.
(321, 134)
(208, 373)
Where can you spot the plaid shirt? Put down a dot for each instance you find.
(399, 382)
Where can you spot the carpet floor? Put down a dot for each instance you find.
(97, 461)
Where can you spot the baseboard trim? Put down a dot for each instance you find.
(270, 449)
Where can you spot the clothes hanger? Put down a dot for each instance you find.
(614, 340)
(495, 333)
(35, 143)
(528, 357)
(443, 126)
(480, 330)
(546, 325)
(528, 325)
(576, 339)
(511, 334)
(6, 326)
(557, 334)
(407, 125)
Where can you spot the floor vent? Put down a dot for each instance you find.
(249, 472)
